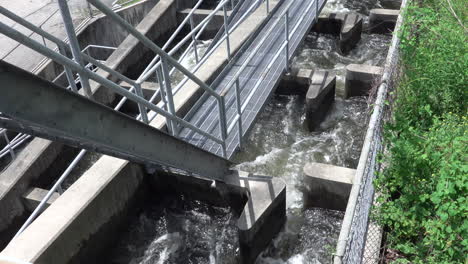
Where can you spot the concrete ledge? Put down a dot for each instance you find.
(327, 186)
(34, 196)
(382, 21)
(296, 82)
(320, 97)
(360, 78)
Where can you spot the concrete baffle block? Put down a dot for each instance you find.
(350, 32)
(34, 196)
(296, 82)
(382, 21)
(391, 4)
(327, 186)
(263, 215)
(360, 79)
(319, 97)
(347, 26)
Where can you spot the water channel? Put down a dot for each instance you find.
(179, 230)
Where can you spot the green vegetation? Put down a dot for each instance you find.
(423, 189)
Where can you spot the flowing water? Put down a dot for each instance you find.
(177, 230)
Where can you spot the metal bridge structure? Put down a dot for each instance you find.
(202, 141)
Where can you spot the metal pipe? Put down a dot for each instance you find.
(239, 112)
(222, 125)
(160, 78)
(68, 72)
(74, 45)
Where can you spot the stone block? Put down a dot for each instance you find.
(360, 79)
(296, 82)
(382, 21)
(327, 186)
(319, 98)
(391, 4)
(350, 32)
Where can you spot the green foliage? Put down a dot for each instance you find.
(425, 184)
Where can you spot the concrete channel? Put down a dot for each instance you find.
(81, 223)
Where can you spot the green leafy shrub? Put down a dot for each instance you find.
(424, 187)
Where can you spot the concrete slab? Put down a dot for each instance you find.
(360, 79)
(319, 97)
(382, 21)
(327, 186)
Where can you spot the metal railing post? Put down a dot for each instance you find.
(268, 6)
(68, 72)
(222, 124)
(90, 10)
(316, 9)
(226, 31)
(239, 112)
(143, 110)
(168, 90)
(286, 33)
(194, 40)
(75, 48)
(10, 149)
(159, 76)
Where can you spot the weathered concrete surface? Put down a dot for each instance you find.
(34, 196)
(360, 79)
(391, 4)
(216, 22)
(347, 26)
(76, 218)
(40, 153)
(319, 97)
(296, 82)
(327, 186)
(5, 260)
(382, 20)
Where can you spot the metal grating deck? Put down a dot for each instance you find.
(205, 113)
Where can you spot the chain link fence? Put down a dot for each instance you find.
(360, 239)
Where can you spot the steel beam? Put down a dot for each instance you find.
(35, 106)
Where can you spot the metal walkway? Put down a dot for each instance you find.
(254, 72)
